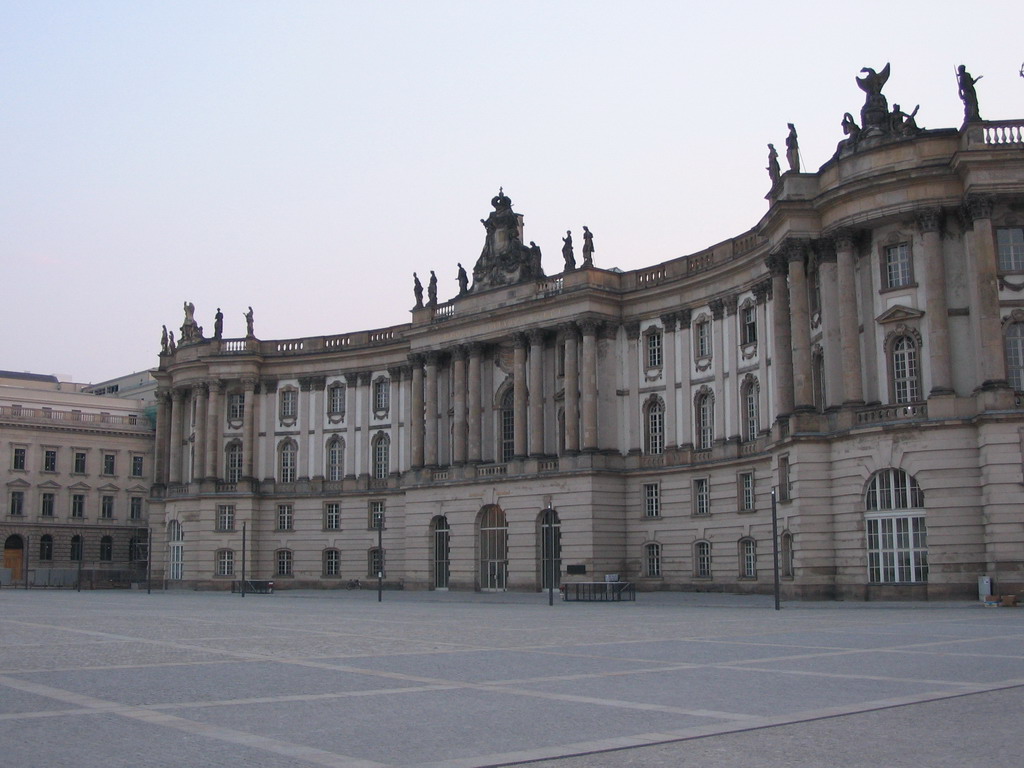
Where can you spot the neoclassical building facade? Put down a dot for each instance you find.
(859, 352)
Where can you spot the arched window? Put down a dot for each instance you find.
(897, 543)
(283, 559)
(288, 454)
(905, 383)
(786, 555)
(46, 547)
(335, 459)
(507, 426)
(493, 540)
(332, 562)
(748, 558)
(176, 551)
(704, 414)
(751, 408)
(381, 458)
(702, 559)
(234, 462)
(441, 533)
(652, 559)
(76, 548)
(654, 426)
(1013, 340)
(106, 549)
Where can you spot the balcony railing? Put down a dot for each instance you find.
(1004, 132)
(133, 421)
(888, 413)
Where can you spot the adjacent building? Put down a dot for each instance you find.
(855, 359)
(76, 469)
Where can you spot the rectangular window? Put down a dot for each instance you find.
(784, 485)
(702, 330)
(284, 517)
(46, 508)
(381, 395)
(137, 465)
(108, 463)
(652, 500)
(376, 514)
(79, 462)
(654, 349)
(17, 503)
(898, 271)
(702, 496)
(702, 560)
(289, 403)
(135, 508)
(745, 491)
(107, 507)
(284, 562)
(1010, 242)
(225, 562)
(749, 320)
(226, 517)
(18, 459)
(234, 463)
(50, 460)
(652, 557)
(236, 406)
(332, 516)
(78, 505)
(336, 399)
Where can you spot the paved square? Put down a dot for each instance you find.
(315, 678)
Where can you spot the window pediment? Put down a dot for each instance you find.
(900, 313)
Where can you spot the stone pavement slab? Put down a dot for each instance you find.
(467, 680)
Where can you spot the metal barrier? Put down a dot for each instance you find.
(254, 586)
(598, 591)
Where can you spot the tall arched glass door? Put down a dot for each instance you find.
(442, 561)
(176, 551)
(493, 549)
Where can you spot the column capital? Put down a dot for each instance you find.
(305, 383)
(249, 383)
(717, 308)
(199, 388)
(825, 250)
(163, 393)
(977, 207)
(845, 238)
(318, 383)
(608, 330)
(668, 321)
(731, 303)
(351, 378)
(777, 264)
(459, 352)
(588, 326)
(475, 348)
(762, 291)
(365, 377)
(178, 393)
(269, 386)
(536, 335)
(567, 329)
(433, 357)
(395, 372)
(415, 358)
(929, 220)
(794, 249)
(519, 340)
(685, 317)
(632, 330)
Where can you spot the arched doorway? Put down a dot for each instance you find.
(549, 546)
(441, 533)
(14, 556)
(493, 529)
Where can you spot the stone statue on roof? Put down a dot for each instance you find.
(504, 260)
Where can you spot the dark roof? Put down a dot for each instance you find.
(28, 376)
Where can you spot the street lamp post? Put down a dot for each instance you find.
(775, 548)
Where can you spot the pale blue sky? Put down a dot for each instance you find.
(307, 157)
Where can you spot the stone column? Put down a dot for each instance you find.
(304, 468)
(668, 372)
(572, 389)
(395, 374)
(936, 309)
(177, 416)
(985, 293)
(718, 366)
(315, 425)
(589, 384)
(830, 325)
(352, 445)
(430, 426)
(364, 396)
(248, 433)
(782, 352)
(416, 417)
(459, 355)
(849, 325)
(519, 395)
(762, 293)
(536, 392)
(214, 396)
(160, 453)
(200, 396)
(683, 399)
(475, 439)
(633, 357)
(800, 327)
